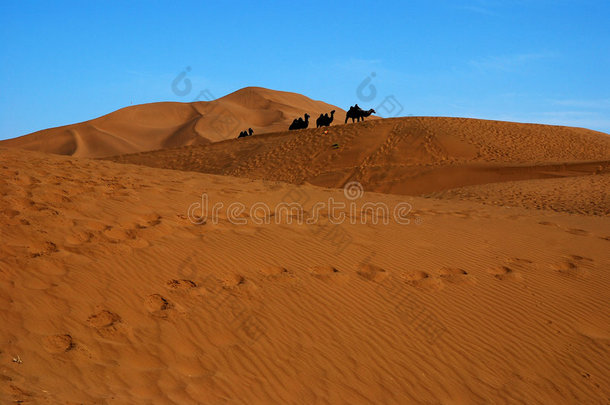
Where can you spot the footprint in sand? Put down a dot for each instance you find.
(10, 213)
(233, 281)
(327, 273)
(422, 280)
(372, 273)
(126, 235)
(416, 276)
(277, 273)
(148, 220)
(158, 305)
(180, 285)
(579, 232)
(273, 271)
(547, 223)
(280, 274)
(103, 319)
(43, 249)
(574, 266)
(58, 343)
(505, 273)
(454, 275)
(115, 234)
(79, 237)
(105, 322)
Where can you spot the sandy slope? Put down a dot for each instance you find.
(580, 195)
(163, 125)
(413, 155)
(111, 296)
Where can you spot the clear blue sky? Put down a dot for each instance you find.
(544, 61)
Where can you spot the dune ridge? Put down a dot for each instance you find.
(582, 194)
(411, 155)
(170, 124)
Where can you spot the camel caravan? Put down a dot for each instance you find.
(324, 120)
(243, 134)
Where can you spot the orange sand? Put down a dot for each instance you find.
(413, 156)
(110, 295)
(496, 291)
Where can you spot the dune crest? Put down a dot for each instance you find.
(410, 155)
(162, 125)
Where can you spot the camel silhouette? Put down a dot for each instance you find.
(355, 113)
(243, 134)
(324, 120)
(300, 123)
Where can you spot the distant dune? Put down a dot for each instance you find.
(412, 155)
(164, 125)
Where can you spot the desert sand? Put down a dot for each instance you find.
(413, 156)
(153, 126)
(497, 290)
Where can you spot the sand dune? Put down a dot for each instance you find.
(164, 125)
(111, 295)
(587, 194)
(413, 155)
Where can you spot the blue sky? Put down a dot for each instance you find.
(518, 60)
